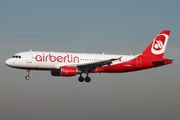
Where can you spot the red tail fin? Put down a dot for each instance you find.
(157, 47)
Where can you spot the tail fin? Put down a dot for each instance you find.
(157, 47)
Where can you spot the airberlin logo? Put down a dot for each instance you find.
(60, 58)
(159, 44)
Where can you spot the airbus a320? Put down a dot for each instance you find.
(70, 64)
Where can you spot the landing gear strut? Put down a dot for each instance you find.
(27, 77)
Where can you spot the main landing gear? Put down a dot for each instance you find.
(86, 79)
(27, 77)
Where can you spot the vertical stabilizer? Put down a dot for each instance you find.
(157, 47)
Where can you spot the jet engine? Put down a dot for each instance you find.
(66, 71)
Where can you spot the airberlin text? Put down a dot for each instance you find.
(69, 58)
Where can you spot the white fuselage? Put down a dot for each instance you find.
(54, 60)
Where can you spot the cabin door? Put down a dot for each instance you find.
(29, 57)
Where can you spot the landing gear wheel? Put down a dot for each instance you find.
(88, 79)
(27, 77)
(81, 79)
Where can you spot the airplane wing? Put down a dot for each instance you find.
(94, 65)
(86, 67)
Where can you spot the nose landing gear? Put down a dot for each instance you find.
(27, 77)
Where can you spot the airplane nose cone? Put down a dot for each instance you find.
(8, 62)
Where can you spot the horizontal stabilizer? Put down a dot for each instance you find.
(157, 63)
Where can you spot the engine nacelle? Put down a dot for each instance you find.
(66, 71)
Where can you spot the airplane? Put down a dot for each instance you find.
(70, 64)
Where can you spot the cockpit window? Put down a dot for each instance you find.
(16, 56)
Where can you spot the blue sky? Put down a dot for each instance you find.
(119, 27)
